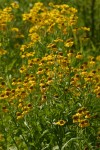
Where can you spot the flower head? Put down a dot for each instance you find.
(60, 122)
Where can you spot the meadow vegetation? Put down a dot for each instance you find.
(49, 78)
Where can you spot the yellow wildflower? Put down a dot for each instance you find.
(84, 123)
(15, 5)
(60, 122)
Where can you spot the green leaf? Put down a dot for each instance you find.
(66, 144)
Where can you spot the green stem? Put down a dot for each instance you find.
(92, 17)
(15, 142)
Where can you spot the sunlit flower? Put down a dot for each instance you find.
(76, 118)
(84, 123)
(92, 63)
(60, 123)
(69, 43)
(3, 52)
(81, 110)
(79, 56)
(15, 29)
(15, 5)
(85, 28)
(19, 115)
(98, 58)
(23, 69)
(4, 108)
(87, 114)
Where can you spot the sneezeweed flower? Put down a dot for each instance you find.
(4, 108)
(43, 88)
(72, 20)
(32, 81)
(92, 63)
(3, 96)
(43, 100)
(29, 106)
(60, 123)
(2, 84)
(25, 112)
(75, 30)
(98, 58)
(19, 115)
(24, 108)
(34, 37)
(3, 27)
(52, 46)
(70, 53)
(98, 95)
(69, 43)
(40, 71)
(84, 123)
(7, 93)
(13, 92)
(23, 47)
(23, 69)
(14, 81)
(84, 66)
(20, 105)
(7, 9)
(15, 5)
(30, 54)
(2, 51)
(82, 110)
(79, 56)
(85, 28)
(15, 29)
(87, 114)
(22, 94)
(19, 35)
(19, 81)
(56, 96)
(84, 73)
(76, 118)
(49, 81)
(58, 40)
(26, 83)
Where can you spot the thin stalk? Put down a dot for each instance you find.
(15, 143)
(92, 17)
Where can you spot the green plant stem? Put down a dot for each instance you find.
(92, 18)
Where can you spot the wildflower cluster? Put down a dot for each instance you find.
(81, 117)
(5, 17)
(46, 75)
